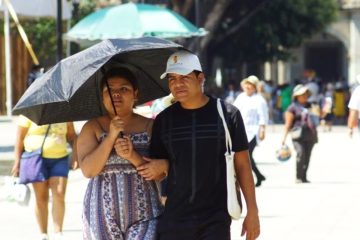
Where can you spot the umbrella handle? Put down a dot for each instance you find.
(112, 102)
(111, 98)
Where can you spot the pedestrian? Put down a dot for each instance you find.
(118, 203)
(36, 71)
(231, 93)
(190, 135)
(255, 113)
(354, 109)
(30, 137)
(300, 122)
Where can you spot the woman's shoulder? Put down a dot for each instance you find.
(93, 125)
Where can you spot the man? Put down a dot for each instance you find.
(190, 135)
(36, 71)
(354, 107)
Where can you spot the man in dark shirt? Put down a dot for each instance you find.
(191, 136)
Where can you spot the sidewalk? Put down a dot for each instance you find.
(326, 209)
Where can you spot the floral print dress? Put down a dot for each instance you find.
(119, 203)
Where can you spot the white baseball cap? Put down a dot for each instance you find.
(182, 62)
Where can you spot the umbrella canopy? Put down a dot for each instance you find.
(70, 91)
(132, 20)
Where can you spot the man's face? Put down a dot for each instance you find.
(185, 87)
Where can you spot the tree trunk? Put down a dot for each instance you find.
(213, 20)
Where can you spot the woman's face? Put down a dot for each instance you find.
(302, 99)
(248, 88)
(123, 95)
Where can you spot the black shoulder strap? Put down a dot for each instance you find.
(47, 132)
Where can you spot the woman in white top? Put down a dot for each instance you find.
(255, 114)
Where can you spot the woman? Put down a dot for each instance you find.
(119, 203)
(254, 110)
(29, 138)
(301, 123)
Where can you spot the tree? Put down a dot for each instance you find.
(259, 30)
(277, 27)
(42, 33)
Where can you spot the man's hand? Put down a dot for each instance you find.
(251, 227)
(153, 169)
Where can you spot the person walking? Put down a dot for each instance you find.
(354, 109)
(254, 110)
(300, 122)
(190, 135)
(119, 203)
(29, 138)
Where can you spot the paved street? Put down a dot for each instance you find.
(326, 209)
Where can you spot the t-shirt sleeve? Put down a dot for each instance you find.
(23, 121)
(355, 100)
(157, 147)
(263, 111)
(237, 130)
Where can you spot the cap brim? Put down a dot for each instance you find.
(176, 71)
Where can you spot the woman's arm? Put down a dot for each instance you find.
(71, 138)
(289, 119)
(19, 148)
(92, 155)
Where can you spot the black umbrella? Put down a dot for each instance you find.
(70, 91)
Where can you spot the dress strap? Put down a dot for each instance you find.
(147, 126)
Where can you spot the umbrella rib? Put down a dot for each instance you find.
(155, 82)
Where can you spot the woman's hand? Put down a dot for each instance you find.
(15, 169)
(124, 147)
(74, 163)
(262, 132)
(116, 126)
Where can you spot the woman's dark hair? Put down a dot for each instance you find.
(119, 72)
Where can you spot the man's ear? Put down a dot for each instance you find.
(201, 78)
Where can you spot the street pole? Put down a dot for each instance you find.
(7, 62)
(59, 31)
(74, 47)
(197, 22)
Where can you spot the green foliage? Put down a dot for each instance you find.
(41, 32)
(86, 7)
(42, 36)
(280, 26)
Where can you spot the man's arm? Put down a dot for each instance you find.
(251, 224)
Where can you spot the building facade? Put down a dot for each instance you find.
(333, 54)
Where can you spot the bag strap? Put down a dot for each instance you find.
(227, 133)
(42, 145)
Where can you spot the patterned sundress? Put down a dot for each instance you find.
(119, 203)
